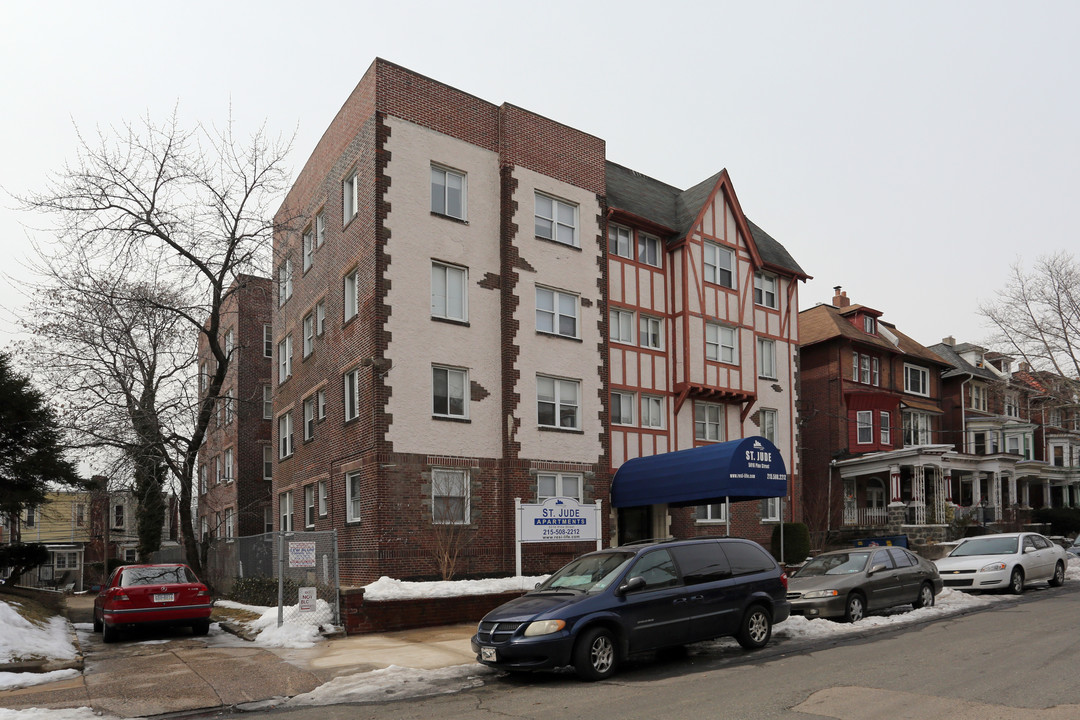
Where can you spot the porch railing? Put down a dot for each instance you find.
(866, 517)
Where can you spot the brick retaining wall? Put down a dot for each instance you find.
(374, 616)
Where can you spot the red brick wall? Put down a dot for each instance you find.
(364, 616)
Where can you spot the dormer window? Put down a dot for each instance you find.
(869, 326)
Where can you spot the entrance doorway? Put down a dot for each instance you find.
(635, 523)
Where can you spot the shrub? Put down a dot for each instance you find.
(796, 542)
(262, 590)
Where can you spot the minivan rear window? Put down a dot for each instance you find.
(746, 558)
(701, 562)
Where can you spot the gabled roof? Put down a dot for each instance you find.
(960, 365)
(677, 210)
(827, 322)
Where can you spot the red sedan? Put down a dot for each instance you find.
(152, 595)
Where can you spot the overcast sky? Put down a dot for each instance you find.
(908, 151)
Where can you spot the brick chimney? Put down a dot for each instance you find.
(949, 340)
(840, 299)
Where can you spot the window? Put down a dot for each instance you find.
(268, 520)
(649, 332)
(309, 333)
(350, 197)
(449, 497)
(449, 298)
(202, 479)
(719, 265)
(1012, 444)
(868, 324)
(131, 554)
(351, 295)
(230, 341)
(320, 229)
(285, 359)
(622, 326)
(711, 513)
(309, 506)
(352, 395)
(352, 497)
(228, 465)
(766, 359)
(916, 380)
(309, 418)
(916, 428)
(549, 485)
(886, 428)
(320, 318)
(1012, 405)
(66, 560)
(230, 529)
(708, 422)
(1059, 455)
(648, 250)
(323, 504)
(622, 408)
(284, 281)
(118, 516)
(204, 528)
(556, 220)
(268, 462)
(31, 517)
(268, 403)
(268, 341)
(978, 398)
(320, 403)
(557, 402)
(285, 438)
(217, 471)
(204, 378)
(652, 411)
(449, 386)
(556, 312)
(864, 366)
(720, 343)
(864, 421)
(619, 241)
(309, 247)
(447, 192)
(770, 510)
(228, 402)
(765, 290)
(875, 371)
(285, 511)
(767, 419)
(1055, 417)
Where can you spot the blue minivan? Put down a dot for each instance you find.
(610, 604)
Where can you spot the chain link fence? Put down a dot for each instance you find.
(248, 570)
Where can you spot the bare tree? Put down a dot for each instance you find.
(152, 224)
(452, 529)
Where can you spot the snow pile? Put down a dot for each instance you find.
(83, 713)
(298, 629)
(17, 680)
(393, 683)
(386, 588)
(23, 639)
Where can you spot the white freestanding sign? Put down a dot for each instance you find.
(557, 519)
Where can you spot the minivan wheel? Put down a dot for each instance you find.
(855, 609)
(756, 628)
(1016, 581)
(926, 597)
(595, 656)
(1059, 575)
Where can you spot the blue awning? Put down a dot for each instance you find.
(747, 469)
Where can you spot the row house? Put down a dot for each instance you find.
(474, 306)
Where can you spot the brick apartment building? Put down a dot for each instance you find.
(236, 460)
(472, 306)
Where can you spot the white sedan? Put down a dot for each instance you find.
(1008, 560)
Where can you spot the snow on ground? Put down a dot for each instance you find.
(24, 639)
(389, 589)
(83, 713)
(394, 683)
(16, 680)
(298, 629)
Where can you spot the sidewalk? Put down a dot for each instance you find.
(134, 678)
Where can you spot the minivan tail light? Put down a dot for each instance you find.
(783, 579)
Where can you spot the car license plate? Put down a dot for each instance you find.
(487, 653)
(164, 597)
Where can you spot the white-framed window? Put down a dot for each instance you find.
(230, 342)
(622, 407)
(916, 428)
(268, 403)
(217, 470)
(202, 479)
(720, 343)
(131, 555)
(65, 560)
(556, 312)
(864, 421)
(268, 462)
(228, 402)
(30, 517)
(765, 290)
(767, 421)
(204, 378)
(1012, 404)
(1055, 417)
(309, 418)
(204, 528)
(285, 511)
(719, 265)
(449, 294)
(717, 512)
(864, 369)
(621, 324)
(320, 318)
(309, 333)
(352, 394)
(554, 484)
(1012, 444)
(351, 293)
(285, 437)
(708, 422)
(320, 403)
(652, 411)
(320, 229)
(449, 388)
(620, 241)
(228, 465)
(308, 247)
(978, 397)
(268, 520)
(324, 504)
(118, 517)
(886, 428)
(353, 497)
(869, 325)
(230, 523)
(449, 496)
(556, 220)
(770, 510)
(875, 371)
(285, 281)
(268, 341)
(650, 332)
(557, 402)
(285, 359)
(448, 192)
(648, 250)
(309, 506)
(766, 358)
(350, 197)
(80, 514)
(916, 380)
